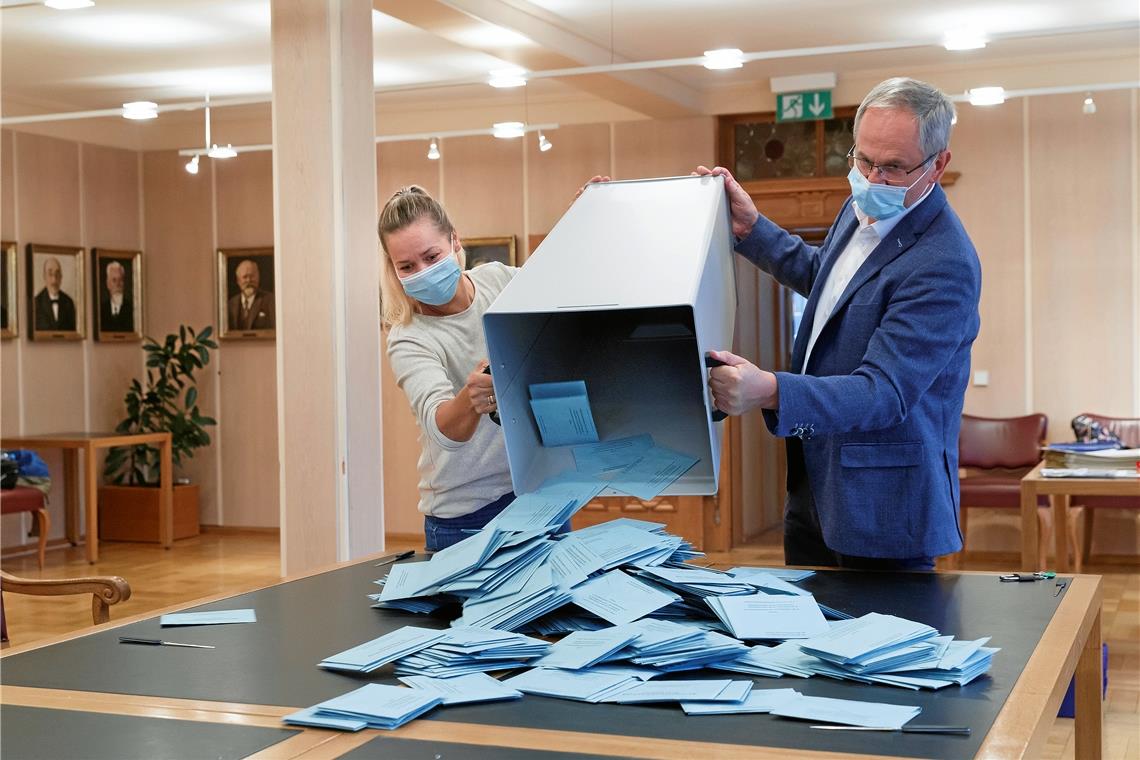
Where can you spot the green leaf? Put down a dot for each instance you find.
(191, 396)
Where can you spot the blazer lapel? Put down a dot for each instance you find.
(848, 223)
(902, 237)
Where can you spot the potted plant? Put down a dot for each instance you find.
(166, 402)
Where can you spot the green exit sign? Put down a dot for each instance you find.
(812, 105)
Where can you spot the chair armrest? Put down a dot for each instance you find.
(106, 590)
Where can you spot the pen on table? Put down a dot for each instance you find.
(961, 730)
(161, 643)
(396, 557)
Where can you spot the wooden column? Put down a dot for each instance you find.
(327, 280)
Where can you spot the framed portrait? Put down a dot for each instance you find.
(57, 307)
(482, 250)
(116, 285)
(246, 307)
(9, 322)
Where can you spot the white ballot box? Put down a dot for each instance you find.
(628, 292)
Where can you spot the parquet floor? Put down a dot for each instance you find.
(232, 562)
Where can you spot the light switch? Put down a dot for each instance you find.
(982, 377)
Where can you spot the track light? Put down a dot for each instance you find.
(192, 165)
(986, 96)
(506, 130)
(221, 151)
(724, 58)
(544, 144)
(505, 78)
(433, 151)
(964, 39)
(140, 110)
(1089, 106)
(68, 5)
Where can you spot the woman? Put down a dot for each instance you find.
(433, 312)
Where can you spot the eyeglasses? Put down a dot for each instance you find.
(889, 172)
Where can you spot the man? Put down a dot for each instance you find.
(54, 309)
(116, 310)
(252, 308)
(872, 405)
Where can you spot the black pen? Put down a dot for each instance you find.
(160, 643)
(396, 557)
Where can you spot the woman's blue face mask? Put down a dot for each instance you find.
(435, 285)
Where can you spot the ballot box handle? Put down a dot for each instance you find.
(710, 362)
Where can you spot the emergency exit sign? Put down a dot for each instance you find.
(812, 105)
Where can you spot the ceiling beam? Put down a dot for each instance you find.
(459, 21)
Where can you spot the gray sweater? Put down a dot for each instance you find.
(431, 358)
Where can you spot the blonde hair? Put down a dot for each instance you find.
(406, 207)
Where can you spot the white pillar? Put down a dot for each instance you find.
(327, 279)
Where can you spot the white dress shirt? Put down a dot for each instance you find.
(858, 249)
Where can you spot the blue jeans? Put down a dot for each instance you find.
(442, 532)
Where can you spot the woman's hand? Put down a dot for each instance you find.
(480, 391)
(590, 181)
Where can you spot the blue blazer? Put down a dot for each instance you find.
(879, 407)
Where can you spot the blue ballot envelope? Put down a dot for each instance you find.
(625, 297)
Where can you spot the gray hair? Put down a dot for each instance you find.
(930, 106)
(115, 266)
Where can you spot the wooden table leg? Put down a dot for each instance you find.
(1029, 537)
(91, 477)
(1088, 705)
(71, 495)
(166, 512)
(1060, 504)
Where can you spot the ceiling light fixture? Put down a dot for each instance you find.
(221, 151)
(1089, 106)
(986, 96)
(433, 151)
(964, 39)
(724, 58)
(140, 110)
(506, 130)
(68, 5)
(192, 165)
(506, 78)
(544, 144)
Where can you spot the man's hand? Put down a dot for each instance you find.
(740, 203)
(740, 385)
(480, 390)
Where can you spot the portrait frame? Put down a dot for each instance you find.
(73, 286)
(262, 319)
(109, 327)
(482, 250)
(9, 291)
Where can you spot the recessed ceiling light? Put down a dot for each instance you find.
(221, 151)
(724, 58)
(68, 5)
(192, 165)
(986, 96)
(508, 129)
(504, 78)
(964, 39)
(140, 110)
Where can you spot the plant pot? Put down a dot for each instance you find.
(130, 513)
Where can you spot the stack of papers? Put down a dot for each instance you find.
(764, 616)
(757, 701)
(582, 649)
(374, 654)
(215, 617)
(578, 685)
(1095, 456)
(846, 711)
(562, 412)
(472, 650)
(618, 598)
(372, 706)
(858, 641)
(684, 691)
(464, 690)
(710, 648)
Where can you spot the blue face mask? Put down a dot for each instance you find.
(435, 285)
(879, 201)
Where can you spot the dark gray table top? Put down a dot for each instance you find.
(274, 662)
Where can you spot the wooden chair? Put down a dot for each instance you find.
(105, 590)
(1128, 430)
(996, 452)
(26, 499)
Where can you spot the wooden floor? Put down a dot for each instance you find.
(232, 562)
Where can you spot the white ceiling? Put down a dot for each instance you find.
(176, 50)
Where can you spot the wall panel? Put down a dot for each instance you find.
(667, 148)
(483, 186)
(9, 361)
(578, 153)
